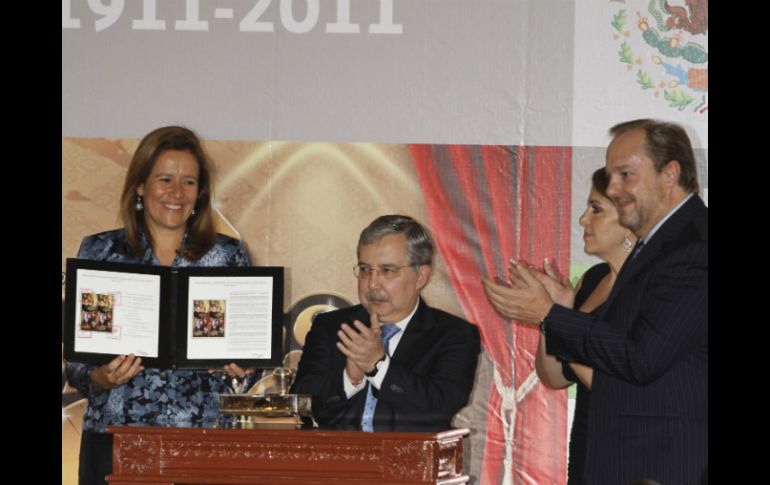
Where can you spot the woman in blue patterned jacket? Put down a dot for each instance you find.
(167, 215)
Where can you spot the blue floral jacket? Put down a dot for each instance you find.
(154, 397)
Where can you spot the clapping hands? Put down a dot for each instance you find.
(529, 294)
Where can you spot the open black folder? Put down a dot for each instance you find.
(173, 317)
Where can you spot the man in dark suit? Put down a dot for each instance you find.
(648, 345)
(421, 374)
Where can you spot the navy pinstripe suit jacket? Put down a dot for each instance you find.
(648, 416)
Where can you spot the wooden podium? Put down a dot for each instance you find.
(284, 456)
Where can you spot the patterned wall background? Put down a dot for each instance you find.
(297, 205)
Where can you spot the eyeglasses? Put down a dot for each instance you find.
(362, 271)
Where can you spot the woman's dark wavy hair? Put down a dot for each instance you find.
(600, 181)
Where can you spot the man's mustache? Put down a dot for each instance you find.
(378, 298)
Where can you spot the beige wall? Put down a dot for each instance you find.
(297, 205)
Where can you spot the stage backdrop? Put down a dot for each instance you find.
(483, 120)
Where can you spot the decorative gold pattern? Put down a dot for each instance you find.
(409, 460)
(138, 455)
(191, 450)
(296, 456)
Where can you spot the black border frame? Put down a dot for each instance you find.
(172, 342)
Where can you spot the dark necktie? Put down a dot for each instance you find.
(367, 419)
(637, 248)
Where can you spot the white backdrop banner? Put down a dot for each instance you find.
(640, 59)
(429, 71)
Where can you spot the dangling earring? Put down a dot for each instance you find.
(627, 244)
(139, 205)
(193, 212)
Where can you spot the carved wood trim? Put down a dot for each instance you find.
(137, 455)
(186, 450)
(410, 460)
(268, 457)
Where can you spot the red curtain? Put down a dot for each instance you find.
(486, 205)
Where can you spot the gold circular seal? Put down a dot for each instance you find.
(305, 320)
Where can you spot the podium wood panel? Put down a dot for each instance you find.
(169, 456)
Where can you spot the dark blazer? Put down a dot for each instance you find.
(648, 346)
(429, 379)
